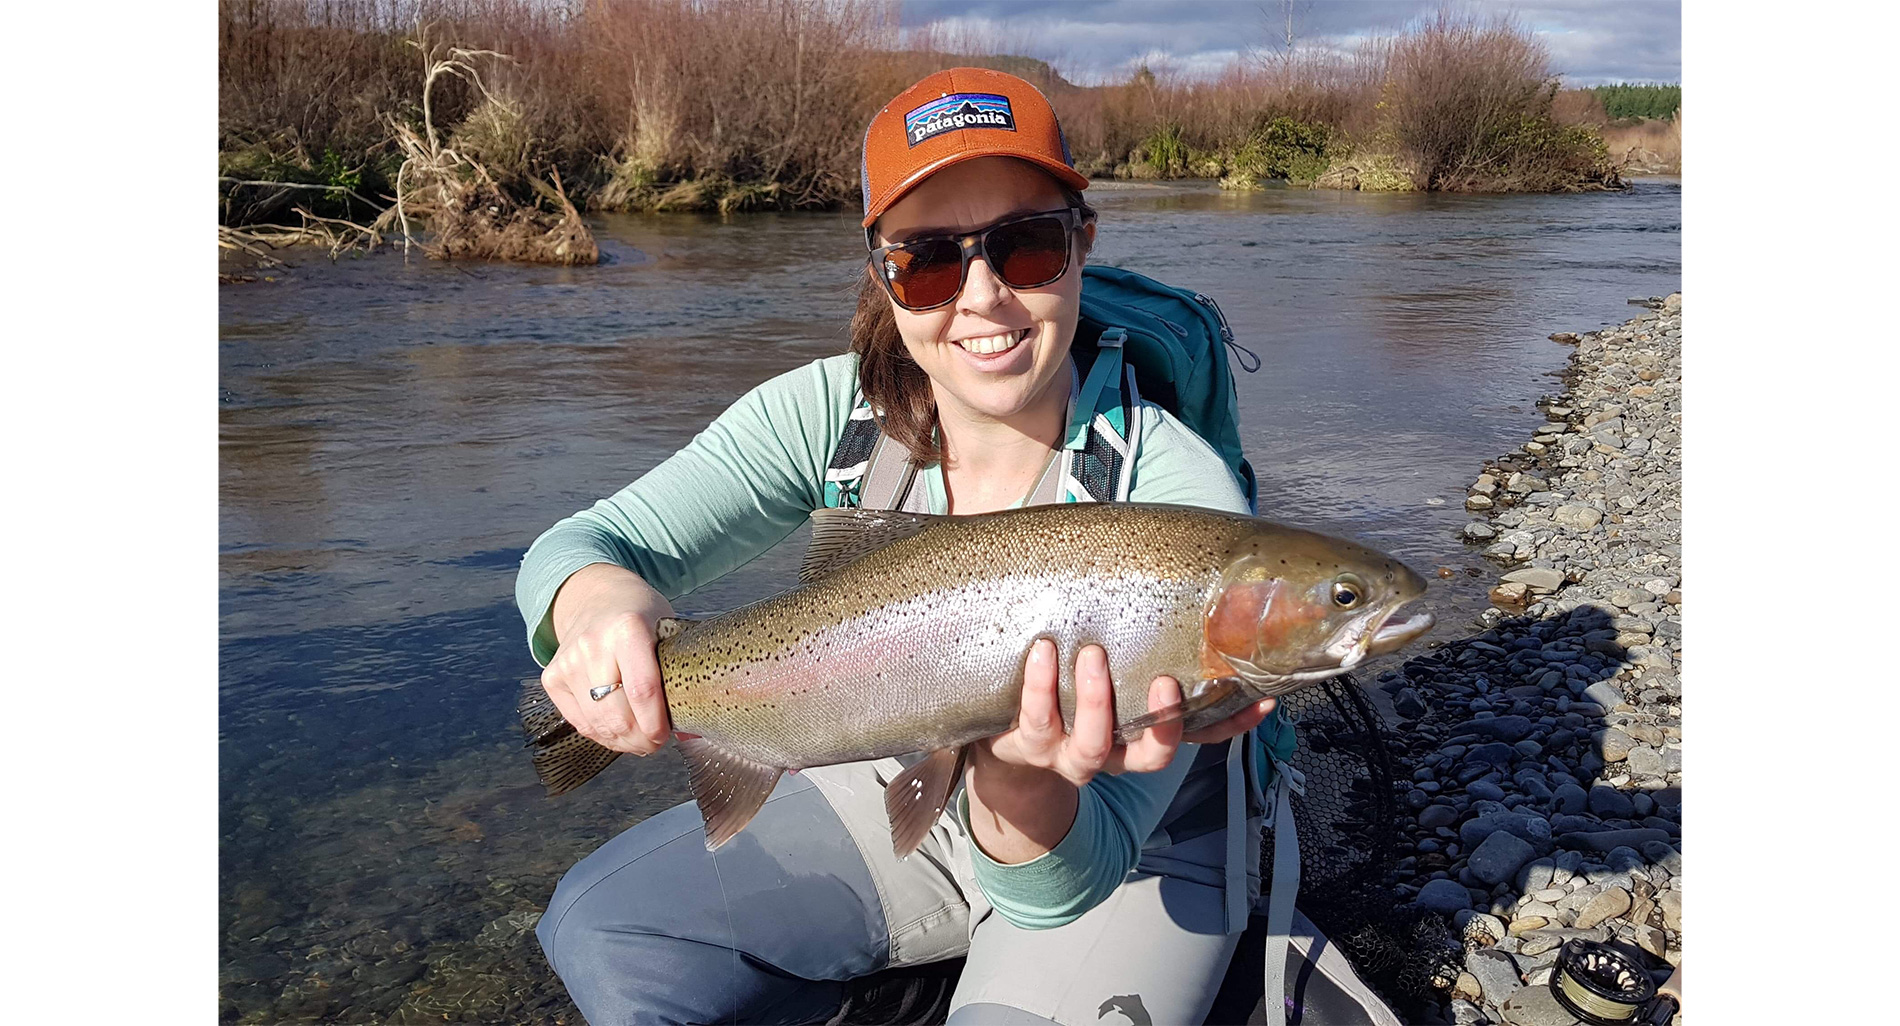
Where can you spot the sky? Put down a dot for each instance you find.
(1591, 42)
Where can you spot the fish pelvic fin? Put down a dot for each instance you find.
(916, 797)
(730, 789)
(563, 758)
(842, 536)
(1203, 694)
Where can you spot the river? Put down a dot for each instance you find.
(394, 433)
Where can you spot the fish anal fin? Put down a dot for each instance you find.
(842, 536)
(1200, 695)
(916, 797)
(667, 626)
(729, 788)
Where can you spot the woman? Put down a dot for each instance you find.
(1049, 873)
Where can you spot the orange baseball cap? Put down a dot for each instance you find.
(954, 115)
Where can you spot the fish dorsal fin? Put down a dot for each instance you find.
(841, 536)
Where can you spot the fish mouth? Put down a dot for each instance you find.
(1390, 637)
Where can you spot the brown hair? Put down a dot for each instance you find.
(898, 389)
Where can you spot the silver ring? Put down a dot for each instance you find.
(603, 691)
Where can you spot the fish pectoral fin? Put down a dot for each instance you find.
(729, 788)
(1200, 695)
(916, 797)
(667, 626)
(841, 536)
(563, 759)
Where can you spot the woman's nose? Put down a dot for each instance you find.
(982, 289)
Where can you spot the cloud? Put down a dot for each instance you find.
(1093, 41)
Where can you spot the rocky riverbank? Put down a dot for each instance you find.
(1545, 799)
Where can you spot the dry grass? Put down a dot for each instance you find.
(744, 104)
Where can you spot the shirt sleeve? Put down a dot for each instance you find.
(1114, 813)
(738, 488)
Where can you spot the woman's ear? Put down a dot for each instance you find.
(1087, 235)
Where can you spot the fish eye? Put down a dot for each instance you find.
(1347, 591)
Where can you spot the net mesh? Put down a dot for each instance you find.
(1349, 821)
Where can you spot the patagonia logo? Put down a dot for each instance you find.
(958, 110)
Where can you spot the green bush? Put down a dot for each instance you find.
(1624, 101)
(1281, 147)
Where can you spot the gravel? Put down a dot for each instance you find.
(1546, 748)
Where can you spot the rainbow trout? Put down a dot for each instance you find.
(908, 633)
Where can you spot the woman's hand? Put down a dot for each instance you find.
(604, 618)
(1023, 784)
(1039, 740)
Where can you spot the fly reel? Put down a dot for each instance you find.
(1599, 984)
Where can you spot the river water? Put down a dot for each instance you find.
(393, 434)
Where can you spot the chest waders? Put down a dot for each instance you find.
(1096, 464)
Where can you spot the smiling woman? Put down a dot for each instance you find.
(1073, 870)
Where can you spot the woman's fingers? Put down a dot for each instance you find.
(1156, 746)
(1039, 723)
(1233, 726)
(640, 689)
(1092, 740)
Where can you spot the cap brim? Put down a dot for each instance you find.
(1063, 173)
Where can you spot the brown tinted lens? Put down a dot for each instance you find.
(1028, 253)
(924, 273)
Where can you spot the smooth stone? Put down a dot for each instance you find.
(1496, 973)
(1606, 839)
(1537, 578)
(1610, 803)
(1434, 816)
(1608, 904)
(1671, 904)
(1614, 745)
(1571, 799)
(1446, 896)
(1604, 693)
(1497, 857)
(1645, 762)
(1485, 790)
(1479, 532)
(1578, 518)
(1535, 876)
(1534, 829)
(1502, 728)
(1497, 753)
(1408, 704)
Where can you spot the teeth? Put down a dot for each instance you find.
(993, 343)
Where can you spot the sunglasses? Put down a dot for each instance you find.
(1026, 252)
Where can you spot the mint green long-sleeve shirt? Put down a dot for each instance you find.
(753, 476)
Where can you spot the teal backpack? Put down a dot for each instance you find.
(1136, 339)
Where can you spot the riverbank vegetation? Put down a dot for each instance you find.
(761, 104)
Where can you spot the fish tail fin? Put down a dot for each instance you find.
(729, 788)
(563, 759)
(916, 797)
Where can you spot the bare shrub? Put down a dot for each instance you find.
(1468, 105)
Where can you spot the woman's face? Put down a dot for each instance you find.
(992, 352)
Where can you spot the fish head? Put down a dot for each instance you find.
(1295, 607)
